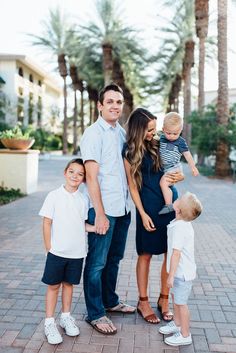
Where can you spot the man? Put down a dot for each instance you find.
(101, 149)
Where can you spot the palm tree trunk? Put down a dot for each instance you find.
(75, 118)
(82, 111)
(201, 74)
(63, 72)
(201, 16)
(119, 79)
(222, 152)
(188, 63)
(65, 122)
(107, 63)
(173, 98)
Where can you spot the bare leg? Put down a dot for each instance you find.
(66, 297)
(166, 191)
(164, 303)
(184, 319)
(51, 299)
(142, 272)
(176, 313)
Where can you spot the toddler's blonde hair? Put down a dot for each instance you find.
(173, 119)
(190, 207)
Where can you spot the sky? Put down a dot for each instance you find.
(26, 16)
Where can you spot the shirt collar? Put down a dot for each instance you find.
(67, 192)
(102, 122)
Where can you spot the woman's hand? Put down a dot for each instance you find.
(148, 223)
(174, 177)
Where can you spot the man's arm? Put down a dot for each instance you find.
(101, 221)
(174, 262)
(47, 224)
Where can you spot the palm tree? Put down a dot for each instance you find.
(113, 40)
(55, 36)
(90, 68)
(201, 17)
(176, 56)
(222, 167)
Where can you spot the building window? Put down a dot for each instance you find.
(20, 72)
(40, 83)
(39, 113)
(20, 105)
(31, 78)
(31, 108)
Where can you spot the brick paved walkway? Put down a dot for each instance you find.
(212, 304)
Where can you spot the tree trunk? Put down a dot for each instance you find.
(188, 63)
(65, 121)
(201, 16)
(119, 79)
(173, 98)
(82, 111)
(107, 63)
(75, 118)
(201, 74)
(93, 98)
(222, 152)
(63, 72)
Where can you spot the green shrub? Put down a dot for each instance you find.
(46, 141)
(9, 195)
(206, 132)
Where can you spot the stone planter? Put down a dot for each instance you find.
(17, 144)
(19, 169)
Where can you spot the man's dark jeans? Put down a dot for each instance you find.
(102, 265)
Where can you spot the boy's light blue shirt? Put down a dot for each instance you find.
(103, 144)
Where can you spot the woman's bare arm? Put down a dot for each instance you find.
(147, 221)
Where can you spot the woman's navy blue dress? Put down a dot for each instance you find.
(155, 242)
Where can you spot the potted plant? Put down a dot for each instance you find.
(16, 139)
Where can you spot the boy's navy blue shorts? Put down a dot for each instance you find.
(61, 269)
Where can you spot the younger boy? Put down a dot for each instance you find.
(172, 147)
(64, 213)
(181, 267)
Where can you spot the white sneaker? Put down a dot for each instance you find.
(178, 340)
(68, 323)
(169, 328)
(52, 333)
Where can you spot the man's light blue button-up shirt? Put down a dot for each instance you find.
(103, 144)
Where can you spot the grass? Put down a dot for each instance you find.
(9, 195)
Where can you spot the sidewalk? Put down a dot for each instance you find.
(212, 303)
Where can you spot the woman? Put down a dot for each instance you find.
(143, 169)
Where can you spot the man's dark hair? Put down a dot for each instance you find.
(110, 87)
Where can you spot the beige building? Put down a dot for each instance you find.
(32, 96)
(211, 96)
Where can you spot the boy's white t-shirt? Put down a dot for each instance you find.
(181, 237)
(68, 212)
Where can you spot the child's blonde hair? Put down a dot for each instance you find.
(191, 207)
(173, 119)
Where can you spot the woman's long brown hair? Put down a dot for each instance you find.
(136, 145)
